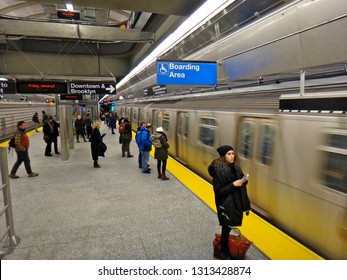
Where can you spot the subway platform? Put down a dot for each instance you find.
(73, 211)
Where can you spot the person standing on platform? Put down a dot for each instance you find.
(36, 120)
(79, 128)
(145, 145)
(21, 140)
(88, 122)
(48, 135)
(139, 159)
(112, 123)
(95, 140)
(229, 186)
(56, 127)
(44, 116)
(126, 138)
(161, 153)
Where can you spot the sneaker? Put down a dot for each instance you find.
(32, 174)
(13, 176)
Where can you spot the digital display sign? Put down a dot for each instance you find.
(41, 87)
(70, 97)
(186, 73)
(68, 14)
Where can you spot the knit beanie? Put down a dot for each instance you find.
(222, 150)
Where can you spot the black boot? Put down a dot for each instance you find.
(96, 165)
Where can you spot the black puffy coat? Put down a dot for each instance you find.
(231, 201)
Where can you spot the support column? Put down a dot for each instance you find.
(64, 132)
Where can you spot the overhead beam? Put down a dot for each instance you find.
(48, 30)
(171, 7)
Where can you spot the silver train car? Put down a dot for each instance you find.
(297, 161)
(11, 112)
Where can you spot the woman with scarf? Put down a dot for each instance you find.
(229, 185)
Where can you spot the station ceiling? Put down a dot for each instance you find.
(103, 44)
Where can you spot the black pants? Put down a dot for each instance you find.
(48, 150)
(22, 156)
(225, 239)
(55, 144)
(163, 168)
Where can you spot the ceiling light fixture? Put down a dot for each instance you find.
(197, 19)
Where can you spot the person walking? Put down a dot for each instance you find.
(145, 145)
(22, 145)
(161, 154)
(36, 120)
(229, 186)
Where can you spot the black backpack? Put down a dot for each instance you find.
(11, 144)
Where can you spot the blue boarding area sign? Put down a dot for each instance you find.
(186, 72)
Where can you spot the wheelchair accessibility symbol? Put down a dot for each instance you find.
(163, 69)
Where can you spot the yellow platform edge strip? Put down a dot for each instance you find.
(270, 240)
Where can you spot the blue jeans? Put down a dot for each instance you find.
(144, 160)
(22, 156)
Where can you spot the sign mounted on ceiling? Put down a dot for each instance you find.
(186, 72)
(43, 87)
(65, 14)
(92, 88)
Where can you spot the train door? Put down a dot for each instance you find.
(257, 138)
(182, 136)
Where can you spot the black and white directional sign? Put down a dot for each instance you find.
(7, 87)
(92, 88)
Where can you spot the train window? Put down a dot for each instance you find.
(207, 131)
(183, 125)
(165, 122)
(267, 134)
(334, 168)
(246, 139)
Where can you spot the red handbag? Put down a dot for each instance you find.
(238, 245)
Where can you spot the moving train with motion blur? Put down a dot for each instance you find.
(280, 102)
(297, 159)
(11, 112)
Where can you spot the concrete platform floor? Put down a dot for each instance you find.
(73, 211)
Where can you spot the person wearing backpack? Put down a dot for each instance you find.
(22, 145)
(161, 154)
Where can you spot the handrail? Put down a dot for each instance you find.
(7, 210)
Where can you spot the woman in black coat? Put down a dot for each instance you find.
(229, 185)
(95, 140)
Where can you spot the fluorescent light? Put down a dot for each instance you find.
(69, 7)
(208, 10)
(3, 79)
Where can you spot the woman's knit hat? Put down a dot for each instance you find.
(222, 150)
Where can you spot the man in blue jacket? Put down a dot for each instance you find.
(145, 146)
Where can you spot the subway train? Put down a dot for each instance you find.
(296, 159)
(11, 112)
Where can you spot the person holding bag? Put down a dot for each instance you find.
(95, 141)
(229, 186)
